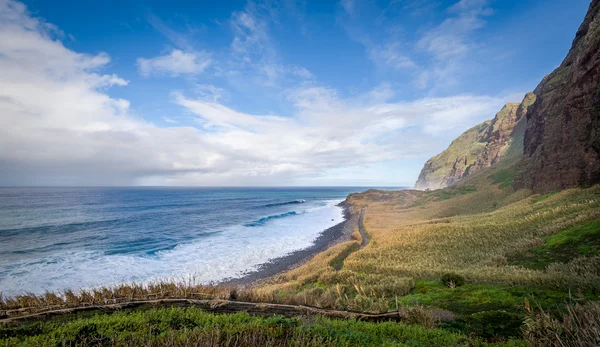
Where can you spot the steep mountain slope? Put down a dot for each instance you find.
(562, 138)
(450, 165)
(504, 134)
(477, 148)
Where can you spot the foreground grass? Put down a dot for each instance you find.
(193, 327)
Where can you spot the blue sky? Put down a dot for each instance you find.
(349, 92)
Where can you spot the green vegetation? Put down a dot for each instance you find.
(452, 280)
(518, 134)
(193, 327)
(338, 262)
(473, 298)
(545, 196)
(505, 177)
(578, 241)
(445, 194)
(559, 75)
(491, 325)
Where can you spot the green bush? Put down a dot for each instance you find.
(452, 280)
(489, 324)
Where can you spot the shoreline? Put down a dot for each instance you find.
(328, 238)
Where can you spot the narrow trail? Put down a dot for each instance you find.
(338, 262)
(221, 307)
(361, 229)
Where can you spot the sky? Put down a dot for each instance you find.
(259, 93)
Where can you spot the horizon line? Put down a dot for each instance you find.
(134, 186)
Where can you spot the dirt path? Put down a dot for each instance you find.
(339, 260)
(361, 229)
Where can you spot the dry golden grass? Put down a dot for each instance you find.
(414, 243)
(578, 326)
(31, 303)
(422, 235)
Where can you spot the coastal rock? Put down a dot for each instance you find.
(478, 148)
(562, 137)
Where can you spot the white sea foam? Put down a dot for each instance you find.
(229, 253)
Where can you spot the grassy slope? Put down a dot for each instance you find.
(514, 249)
(476, 228)
(577, 241)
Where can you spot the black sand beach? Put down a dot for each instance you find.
(336, 234)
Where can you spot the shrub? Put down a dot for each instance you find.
(496, 323)
(452, 280)
(419, 315)
(579, 326)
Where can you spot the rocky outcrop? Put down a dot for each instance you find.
(453, 163)
(508, 124)
(562, 137)
(498, 136)
(478, 148)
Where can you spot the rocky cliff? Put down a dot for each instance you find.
(450, 165)
(505, 134)
(562, 136)
(478, 148)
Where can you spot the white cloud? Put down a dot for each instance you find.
(451, 42)
(468, 5)
(429, 116)
(273, 74)
(175, 63)
(179, 40)
(451, 38)
(438, 58)
(391, 55)
(58, 126)
(422, 79)
(210, 92)
(253, 50)
(251, 39)
(219, 115)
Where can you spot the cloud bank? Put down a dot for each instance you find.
(59, 126)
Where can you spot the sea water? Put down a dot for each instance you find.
(53, 239)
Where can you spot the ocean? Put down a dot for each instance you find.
(53, 239)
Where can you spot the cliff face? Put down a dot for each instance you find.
(478, 148)
(505, 134)
(562, 137)
(451, 165)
